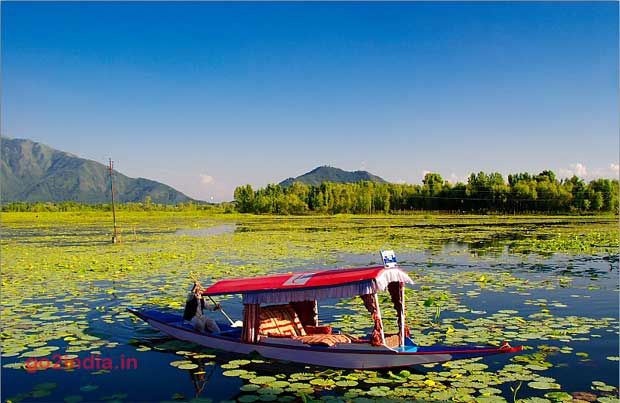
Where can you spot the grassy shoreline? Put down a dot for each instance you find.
(235, 215)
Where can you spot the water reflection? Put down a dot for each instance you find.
(201, 377)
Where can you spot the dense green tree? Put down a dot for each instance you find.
(433, 183)
(244, 197)
(597, 201)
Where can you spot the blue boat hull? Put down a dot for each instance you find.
(342, 355)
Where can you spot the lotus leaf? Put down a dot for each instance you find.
(234, 372)
(269, 390)
(249, 387)
(543, 385)
(188, 366)
(262, 380)
(248, 398)
(559, 396)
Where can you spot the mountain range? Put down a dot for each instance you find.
(31, 171)
(34, 172)
(331, 174)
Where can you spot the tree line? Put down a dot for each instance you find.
(522, 193)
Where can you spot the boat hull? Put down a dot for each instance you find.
(353, 356)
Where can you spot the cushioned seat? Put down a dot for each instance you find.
(280, 321)
(392, 340)
(283, 321)
(318, 329)
(324, 339)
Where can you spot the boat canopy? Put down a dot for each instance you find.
(311, 286)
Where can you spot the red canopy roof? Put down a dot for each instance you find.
(296, 281)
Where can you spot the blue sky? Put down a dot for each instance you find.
(208, 96)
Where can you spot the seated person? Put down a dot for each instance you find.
(194, 308)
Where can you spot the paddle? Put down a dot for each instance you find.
(237, 323)
(198, 287)
(232, 323)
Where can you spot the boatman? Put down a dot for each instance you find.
(194, 308)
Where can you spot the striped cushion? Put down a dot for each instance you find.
(280, 320)
(324, 339)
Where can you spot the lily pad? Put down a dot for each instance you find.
(543, 385)
(559, 396)
(234, 372)
(188, 366)
(262, 380)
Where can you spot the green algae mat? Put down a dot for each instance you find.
(549, 283)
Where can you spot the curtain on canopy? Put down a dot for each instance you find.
(307, 311)
(251, 323)
(371, 302)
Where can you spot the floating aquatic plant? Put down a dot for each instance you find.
(89, 283)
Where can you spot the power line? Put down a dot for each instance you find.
(484, 199)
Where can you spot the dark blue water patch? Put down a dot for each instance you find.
(152, 380)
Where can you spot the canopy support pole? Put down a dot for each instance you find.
(401, 327)
(376, 298)
(397, 293)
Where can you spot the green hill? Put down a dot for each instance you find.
(331, 174)
(31, 171)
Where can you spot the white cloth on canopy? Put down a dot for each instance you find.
(372, 286)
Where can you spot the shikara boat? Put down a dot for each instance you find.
(280, 320)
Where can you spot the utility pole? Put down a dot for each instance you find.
(115, 237)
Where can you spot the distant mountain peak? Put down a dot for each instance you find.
(327, 173)
(320, 168)
(31, 171)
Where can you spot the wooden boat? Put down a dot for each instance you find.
(280, 321)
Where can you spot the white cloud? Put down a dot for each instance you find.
(454, 178)
(611, 171)
(577, 169)
(580, 170)
(206, 179)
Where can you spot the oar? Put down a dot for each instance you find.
(221, 310)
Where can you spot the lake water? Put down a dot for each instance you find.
(578, 286)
